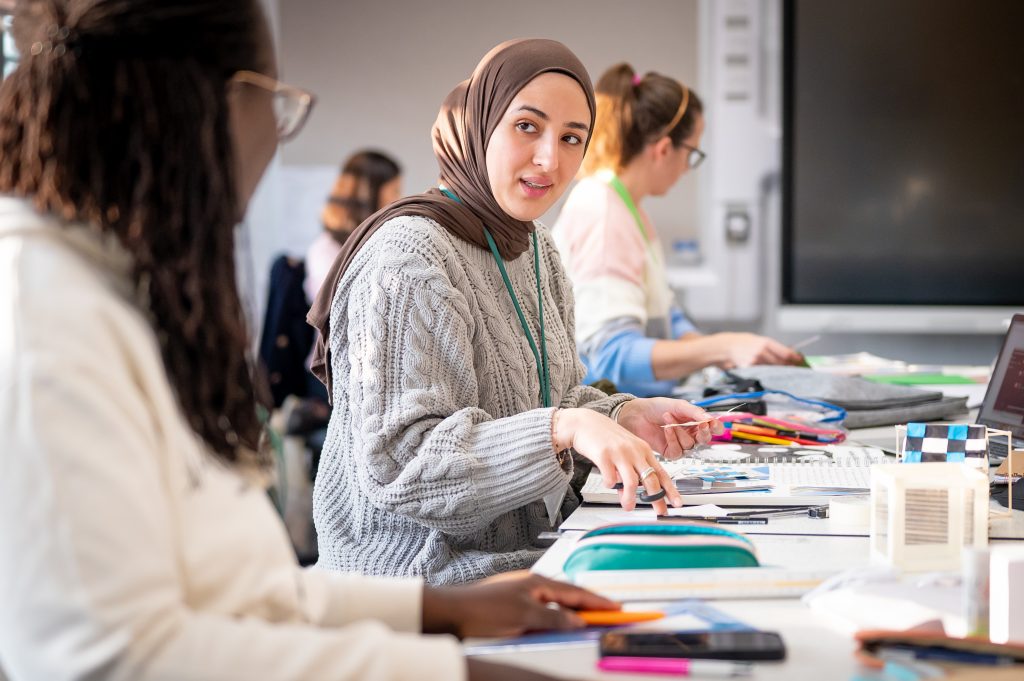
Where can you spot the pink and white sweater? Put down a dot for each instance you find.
(623, 301)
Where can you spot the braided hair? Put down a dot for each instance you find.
(117, 117)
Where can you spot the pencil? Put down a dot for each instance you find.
(805, 342)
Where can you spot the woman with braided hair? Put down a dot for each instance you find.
(136, 538)
(629, 329)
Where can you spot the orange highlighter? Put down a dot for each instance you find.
(614, 618)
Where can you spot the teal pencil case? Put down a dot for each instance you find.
(650, 546)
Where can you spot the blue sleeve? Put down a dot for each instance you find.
(625, 360)
(681, 324)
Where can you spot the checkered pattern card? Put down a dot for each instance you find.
(951, 442)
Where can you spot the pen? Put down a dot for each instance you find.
(718, 416)
(721, 520)
(806, 341)
(782, 510)
(611, 618)
(674, 665)
(778, 513)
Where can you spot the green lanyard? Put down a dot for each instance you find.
(615, 183)
(542, 355)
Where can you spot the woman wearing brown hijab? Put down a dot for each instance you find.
(461, 430)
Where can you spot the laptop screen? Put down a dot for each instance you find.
(1003, 407)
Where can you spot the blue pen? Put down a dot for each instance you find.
(959, 656)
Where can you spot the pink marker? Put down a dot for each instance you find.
(674, 665)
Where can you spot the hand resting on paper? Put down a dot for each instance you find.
(507, 605)
(620, 456)
(624, 452)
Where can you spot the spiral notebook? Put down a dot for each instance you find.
(778, 481)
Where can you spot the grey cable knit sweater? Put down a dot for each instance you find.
(438, 454)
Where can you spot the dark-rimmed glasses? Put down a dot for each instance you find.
(695, 157)
(291, 104)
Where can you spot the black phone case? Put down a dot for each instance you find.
(766, 646)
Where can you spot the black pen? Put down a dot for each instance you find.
(721, 520)
(812, 511)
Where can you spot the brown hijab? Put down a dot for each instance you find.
(468, 117)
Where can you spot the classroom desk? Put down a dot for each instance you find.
(589, 516)
(819, 646)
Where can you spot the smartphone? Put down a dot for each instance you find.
(697, 645)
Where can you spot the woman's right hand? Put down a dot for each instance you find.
(749, 349)
(619, 455)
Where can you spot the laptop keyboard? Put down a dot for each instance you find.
(997, 449)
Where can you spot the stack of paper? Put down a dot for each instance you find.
(764, 484)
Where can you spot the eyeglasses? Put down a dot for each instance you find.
(695, 157)
(291, 104)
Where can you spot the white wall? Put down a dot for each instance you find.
(380, 70)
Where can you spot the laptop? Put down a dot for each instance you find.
(1003, 406)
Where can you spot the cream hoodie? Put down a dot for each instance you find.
(126, 550)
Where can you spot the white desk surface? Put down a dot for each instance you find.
(818, 649)
(589, 516)
(815, 552)
(814, 651)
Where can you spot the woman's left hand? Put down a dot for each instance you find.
(645, 418)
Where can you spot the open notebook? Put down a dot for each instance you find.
(787, 483)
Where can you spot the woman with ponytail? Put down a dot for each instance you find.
(137, 540)
(628, 328)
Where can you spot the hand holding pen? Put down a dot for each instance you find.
(709, 418)
(798, 349)
(648, 418)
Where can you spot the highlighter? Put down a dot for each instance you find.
(674, 665)
(612, 618)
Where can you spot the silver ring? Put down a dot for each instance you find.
(648, 473)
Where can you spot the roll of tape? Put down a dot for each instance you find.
(850, 511)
